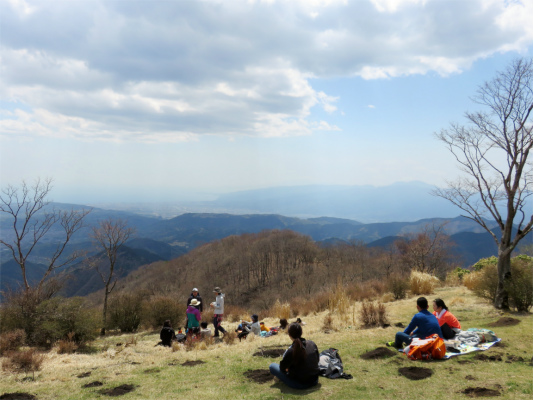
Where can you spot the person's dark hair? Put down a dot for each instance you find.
(166, 324)
(440, 303)
(299, 320)
(295, 332)
(203, 325)
(283, 323)
(255, 318)
(422, 302)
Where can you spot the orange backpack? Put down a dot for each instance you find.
(430, 348)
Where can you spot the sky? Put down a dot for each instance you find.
(180, 100)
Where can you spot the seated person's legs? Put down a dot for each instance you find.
(276, 371)
(402, 338)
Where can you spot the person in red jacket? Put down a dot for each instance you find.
(449, 325)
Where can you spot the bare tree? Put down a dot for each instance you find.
(110, 235)
(493, 151)
(33, 219)
(428, 251)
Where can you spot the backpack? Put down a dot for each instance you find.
(430, 348)
(330, 365)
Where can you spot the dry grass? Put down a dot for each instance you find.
(280, 311)
(11, 341)
(339, 302)
(221, 375)
(422, 283)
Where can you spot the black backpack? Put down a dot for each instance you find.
(330, 365)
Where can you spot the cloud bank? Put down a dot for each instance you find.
(164, 71)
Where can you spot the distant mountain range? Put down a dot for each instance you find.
(164, 239)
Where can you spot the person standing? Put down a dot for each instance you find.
(196, 295)
(218, 306)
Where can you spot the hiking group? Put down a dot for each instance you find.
(194, 326)
(302, 364)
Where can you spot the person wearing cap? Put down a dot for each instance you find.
(218, 306)
(252, 326)
(193, 317)
(196, 295)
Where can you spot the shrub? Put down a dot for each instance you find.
(23, 361)
(11, 341)
(338, 301)
(280, 311)
(157, 309)
(422, 283)
(520, 287)
(484, 282)
(124, 312)
(67, 346)
(373, 314)
(398, 285)
(61, 319)
(328, 325)
(481, 264)
(455, 277)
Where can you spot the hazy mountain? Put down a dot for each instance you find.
(402, 201)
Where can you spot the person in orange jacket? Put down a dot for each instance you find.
(449, 324)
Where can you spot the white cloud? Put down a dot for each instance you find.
(165, 71)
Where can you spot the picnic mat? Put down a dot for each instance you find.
(463, 349)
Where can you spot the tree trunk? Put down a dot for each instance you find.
(102, 331)
(501, 301)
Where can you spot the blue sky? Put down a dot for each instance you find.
(171, 100)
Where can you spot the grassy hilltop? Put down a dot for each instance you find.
(219, 370)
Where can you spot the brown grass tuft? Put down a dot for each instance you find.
(11, 341)
(373, 314)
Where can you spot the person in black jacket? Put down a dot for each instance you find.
(167, 334)
(299, 367)
(196, 295)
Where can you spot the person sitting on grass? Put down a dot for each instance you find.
(193, 317)
(205, 332)
(449, 325)
(283, 324)
(299, 367)
(167, 334)
(263, 327)
(248, 327)
(422, 325)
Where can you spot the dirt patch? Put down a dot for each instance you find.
(480, 392)
(399, 325)
(512, 358)
(379, 353)
(192, 363)
(499, 344)
(84, 375)
(272, 353)
(464, 362)
(93, 384)
(151, 371)
(119, 390)
(484, 357)
(17, 396)
(259, 375)
(505, 321)
(415, 373)
(470, 378)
